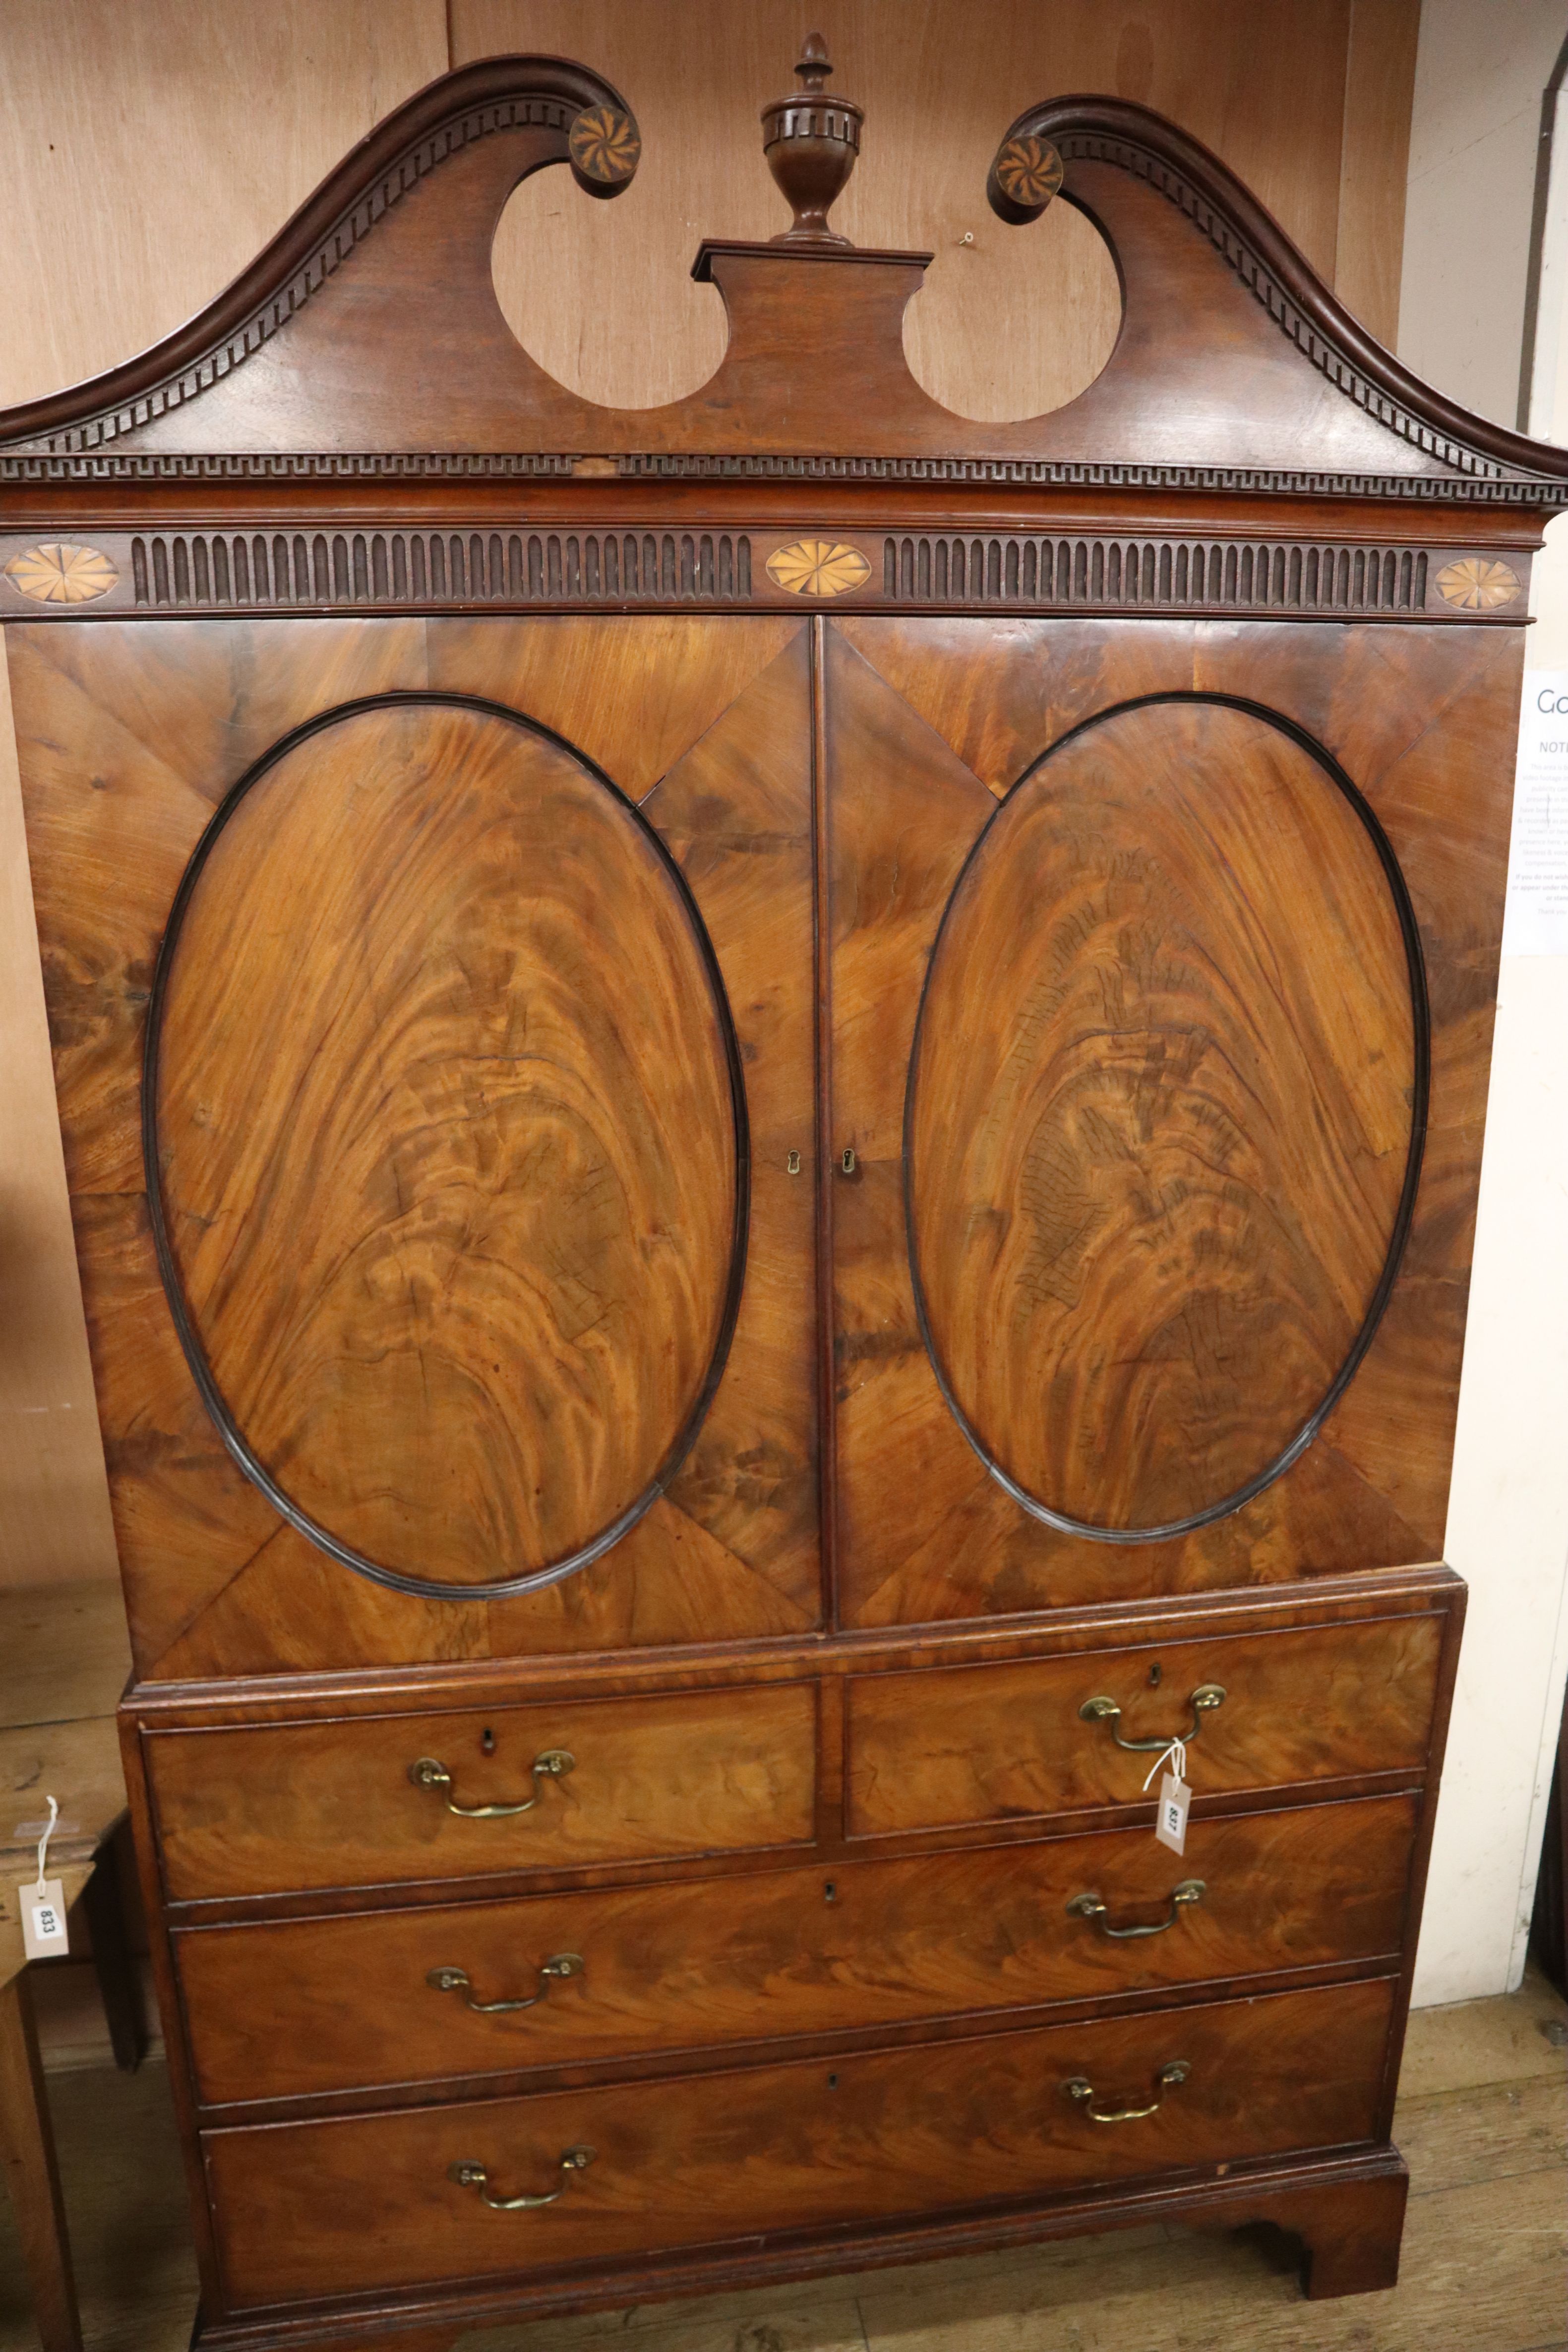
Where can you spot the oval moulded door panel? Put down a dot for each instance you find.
(449, 1145)
(1163, 1116)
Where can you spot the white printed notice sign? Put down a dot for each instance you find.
(1535, 922)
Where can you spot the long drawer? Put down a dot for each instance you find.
(368, 1801)
(954, 1745)
(376, 2203)
(319, 2005)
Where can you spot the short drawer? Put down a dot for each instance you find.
(992, 1743)
(355, 1803)
(318, 2005)
(370, 2203)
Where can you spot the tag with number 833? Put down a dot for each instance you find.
(44, 1931)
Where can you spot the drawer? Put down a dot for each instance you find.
(318, 2005)
(368, 2203)
(990, 1743)
(287, 1806)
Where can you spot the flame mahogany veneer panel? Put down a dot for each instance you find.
(451, 1172)
(1160, 1113)
(326, 2207)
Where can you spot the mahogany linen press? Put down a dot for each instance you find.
(773, 1110)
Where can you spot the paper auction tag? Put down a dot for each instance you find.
(44, 1931)
(1171, 1812)
(1171, 1815)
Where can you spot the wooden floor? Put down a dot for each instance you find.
(1482, 2120)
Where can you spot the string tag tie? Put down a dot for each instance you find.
(44, 1930)
(50, 1831)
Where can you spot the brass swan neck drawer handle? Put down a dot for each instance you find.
(1203, 1701)
(1081, 2089)
(1089, 1907)
(430, 1773)
(559, 1964)
(474, 2176)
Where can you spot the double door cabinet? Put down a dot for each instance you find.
(773, 1141)
(680, 1129)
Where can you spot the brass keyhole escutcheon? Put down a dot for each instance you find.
(792, 1164)
(848, 1162)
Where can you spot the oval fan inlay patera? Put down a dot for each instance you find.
(1477, 583)
(57, 573)
(819, 567)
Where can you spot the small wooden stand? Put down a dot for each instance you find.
(63, 1658)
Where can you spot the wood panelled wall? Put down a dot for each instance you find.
(153, 149)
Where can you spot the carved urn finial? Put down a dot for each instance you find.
(811, 141)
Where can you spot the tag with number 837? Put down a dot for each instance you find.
(1171, 1815)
